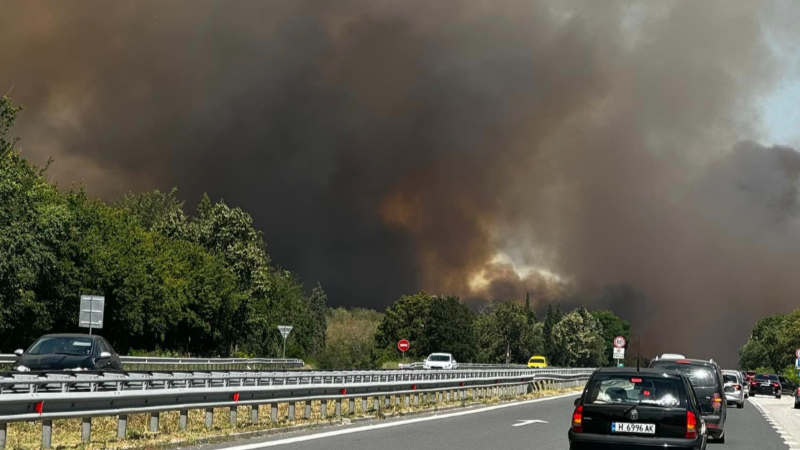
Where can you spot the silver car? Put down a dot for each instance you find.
(734, 387)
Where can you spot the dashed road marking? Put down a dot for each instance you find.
(788, 440)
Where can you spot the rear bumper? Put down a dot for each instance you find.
(734, 397)
(607, 442)
(762, 390)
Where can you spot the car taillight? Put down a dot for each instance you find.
(691, 425)
(577, 419)
(776, 385)
(798, 391)
(716, 401)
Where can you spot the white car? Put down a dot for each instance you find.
(440, 361)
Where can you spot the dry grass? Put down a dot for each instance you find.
(67, 432)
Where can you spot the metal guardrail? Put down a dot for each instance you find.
(419, 365)
(163, 363)
(47, 396)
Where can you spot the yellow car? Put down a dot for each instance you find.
(539, 362)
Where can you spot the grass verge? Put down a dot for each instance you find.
(67, 432)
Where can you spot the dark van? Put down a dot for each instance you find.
(706, 378)
(647, 409)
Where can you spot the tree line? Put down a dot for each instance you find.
(198, 284)
(203, 284)
(772, 345)
(499, 332)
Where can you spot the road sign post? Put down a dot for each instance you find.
(403, 345)
(91, 310)
(285, 330)
(619, 349)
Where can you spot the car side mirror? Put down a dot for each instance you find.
(19, 352)
(706, 410)
(105, 355)
(577, 401)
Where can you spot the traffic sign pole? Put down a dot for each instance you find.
(403, 345)
(285, 330)
(619, 343)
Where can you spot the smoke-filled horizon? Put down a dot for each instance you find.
(482, 149)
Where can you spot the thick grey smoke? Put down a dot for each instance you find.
(465, 147)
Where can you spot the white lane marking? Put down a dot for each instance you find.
(399, 423)
(787, 440)
(522, 423)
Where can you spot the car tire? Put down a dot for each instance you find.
(740, 405)
(721, 438)
(797, 405)
(778, 396)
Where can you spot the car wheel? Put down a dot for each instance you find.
(740, 405)
(720, 438)
(778, 396)
(797, 405)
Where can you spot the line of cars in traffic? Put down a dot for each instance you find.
(674, 403)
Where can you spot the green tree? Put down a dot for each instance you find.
(552, 318)
(202, 285)
(578, 340)
(318, 305)
(431, 324)
(505, 334)
(612, 327)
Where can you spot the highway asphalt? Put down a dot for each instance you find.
(540, 425)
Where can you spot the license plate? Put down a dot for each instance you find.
(765, 384)
(636, 428)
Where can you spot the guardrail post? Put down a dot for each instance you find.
(122, 426)
(323, 409)
(416, 399)
(292, 406)
(363, 405)
(352, 406)
(447, 396)
(273, 412)
(408, 400)
(308, 410)
(209, 417)
(387, 399)
(86, 429)
(234, 413)
(183, 420)
(47, 433)
(3, 431)
(338, 408)
(376, 403)
(154, 422)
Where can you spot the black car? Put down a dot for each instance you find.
(766, 384)
(797, 398)
(707, 381)
(788, 387)
(68, 352)
(622, 408)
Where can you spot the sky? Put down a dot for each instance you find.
(632, 155)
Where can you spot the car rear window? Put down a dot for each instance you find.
(764, 377)
(613, 389)
(699, 375)
(730, 378)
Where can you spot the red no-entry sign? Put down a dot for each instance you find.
(403, 345)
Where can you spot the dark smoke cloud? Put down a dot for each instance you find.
(388, 146)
